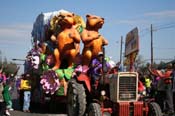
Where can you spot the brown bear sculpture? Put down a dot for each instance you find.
(92, 39)
(67, 40)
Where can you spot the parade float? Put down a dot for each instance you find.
(60, 70)
(55, 44)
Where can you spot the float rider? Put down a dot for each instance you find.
(96, 69)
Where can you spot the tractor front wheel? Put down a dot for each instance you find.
(94, 110)
(154, 109)
(76, 98)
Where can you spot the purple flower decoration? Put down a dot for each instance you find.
(50, 82)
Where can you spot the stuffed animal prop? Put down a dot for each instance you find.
(91, 38)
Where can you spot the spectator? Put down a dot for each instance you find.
(148, 82)
(2, 103)
(167, 97)
(3, 75)
(7, 97)
(154, 86)
(173, 80)
(20, 91)
(26, 87)
(141, 89)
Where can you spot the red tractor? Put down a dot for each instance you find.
(115, 95)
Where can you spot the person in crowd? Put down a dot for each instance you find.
(7, 97)
(173, 80)
(26, 87)
(141, 86)
(13, 75)
(167, 95)
(20, 91)
(3, 75)
(2, 103)
(148, 82)
(141, 89)
(154, 85)
(96, 69)
(1, 69)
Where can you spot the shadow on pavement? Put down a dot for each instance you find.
(47, 108)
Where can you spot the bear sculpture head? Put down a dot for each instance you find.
(94, 22)
(66, 19)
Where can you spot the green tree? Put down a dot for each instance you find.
(8, 67)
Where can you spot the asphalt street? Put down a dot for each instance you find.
(20, 113)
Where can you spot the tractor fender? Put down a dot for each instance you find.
(84, 78)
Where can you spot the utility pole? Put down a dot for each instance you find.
(121, 45)
(151, 45)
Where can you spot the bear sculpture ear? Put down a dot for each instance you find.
(73, 14)
(88, 15)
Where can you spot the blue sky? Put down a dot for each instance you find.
(121, 16)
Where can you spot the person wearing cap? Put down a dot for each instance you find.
(96, 69)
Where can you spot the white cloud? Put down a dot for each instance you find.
(15, 34)
(166, 13)
(146, 18)
(131, 22)
(18, 30)
(15, 40)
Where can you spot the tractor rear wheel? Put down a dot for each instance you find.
(76, 97)
(154, 109)
(94, 110)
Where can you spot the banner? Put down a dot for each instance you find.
(132, 42)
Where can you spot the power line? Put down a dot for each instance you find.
(163, 25)
(166, 27)
(164, 48)
(146, 31)
(144, 34)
